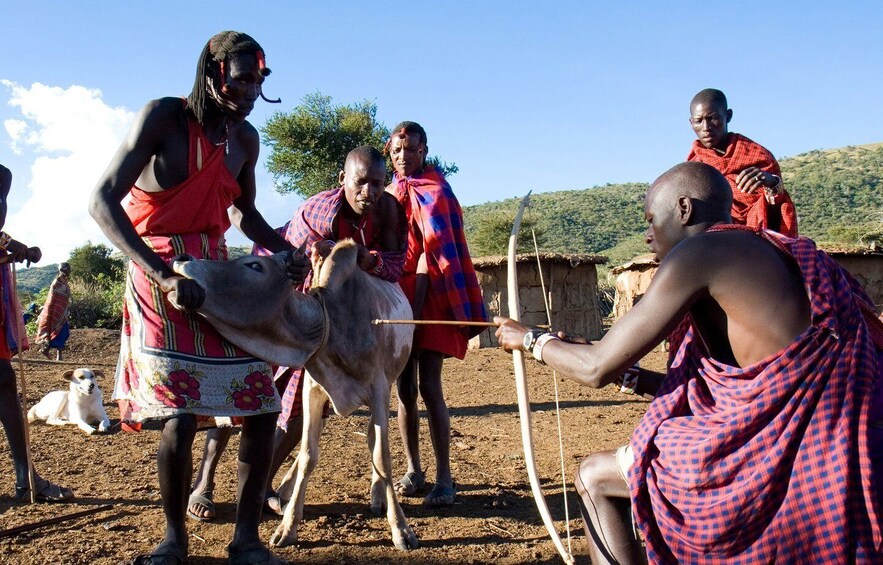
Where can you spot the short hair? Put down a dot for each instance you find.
(410, 128)
(219, 49)
(368, 153)
(702, 182)
(64, 267)
(711, 96)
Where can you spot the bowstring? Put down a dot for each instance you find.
(547, 302)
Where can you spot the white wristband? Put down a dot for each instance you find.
(541, 342)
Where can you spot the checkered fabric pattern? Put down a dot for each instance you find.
(750, 209)
(434, 212)
(771, 462)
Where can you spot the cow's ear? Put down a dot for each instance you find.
(68, 375)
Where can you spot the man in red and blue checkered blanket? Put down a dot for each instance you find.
(764, 442)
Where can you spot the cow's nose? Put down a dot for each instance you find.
(183, 258)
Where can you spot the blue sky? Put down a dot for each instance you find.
(521, 95)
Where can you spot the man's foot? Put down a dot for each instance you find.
(165, 553)
(45, 492)
(257, 554)
(411, 483)
(440, 497)
(201, 506)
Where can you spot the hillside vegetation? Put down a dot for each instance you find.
(837, 194)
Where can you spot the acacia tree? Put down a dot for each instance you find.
(308, 145)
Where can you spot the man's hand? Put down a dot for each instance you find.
(753, 179)
(510, 334)
(34, 255)
(298, 264)
(365, 259)
(184, 293)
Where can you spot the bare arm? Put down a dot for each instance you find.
(144, 140)
(675, 287)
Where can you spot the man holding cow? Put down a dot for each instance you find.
(358, 209)
(184, 162)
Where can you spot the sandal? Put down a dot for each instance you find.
(412, 482)
(46, 492)
(256, 556)
(205, 501)
(163, 554)
(440, 497)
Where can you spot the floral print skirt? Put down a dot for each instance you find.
(173, 362)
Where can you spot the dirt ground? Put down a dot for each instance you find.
(494, 520)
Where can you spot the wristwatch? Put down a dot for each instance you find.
(530, 339)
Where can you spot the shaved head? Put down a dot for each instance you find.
(370, 155)
(710, 97)
(699, 182)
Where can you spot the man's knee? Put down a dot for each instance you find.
(599, 474)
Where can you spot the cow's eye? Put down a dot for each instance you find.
(255, 266)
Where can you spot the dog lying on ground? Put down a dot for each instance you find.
(80, 405)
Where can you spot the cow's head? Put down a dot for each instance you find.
(252, 302)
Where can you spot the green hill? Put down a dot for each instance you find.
(837, 193)
(33, 280)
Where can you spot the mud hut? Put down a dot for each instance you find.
(631, 282)
(571, 281)
(865, 264)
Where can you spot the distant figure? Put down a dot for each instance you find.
(764, 442)
(759, 197)
(440, 282)
(11, 330)
(53, 326)
(30, 313)
(185, 162)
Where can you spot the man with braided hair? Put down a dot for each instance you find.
(440, 282)
(184, 163)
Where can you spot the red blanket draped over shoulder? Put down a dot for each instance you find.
(436, 230)
(776, 462)
(750, 209)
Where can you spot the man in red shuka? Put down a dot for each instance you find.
(759, 197)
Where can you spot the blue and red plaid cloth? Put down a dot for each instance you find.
(436, 225)
(771, 462)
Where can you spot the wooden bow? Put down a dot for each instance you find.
(521, 387)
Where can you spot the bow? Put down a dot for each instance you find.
(521, 387)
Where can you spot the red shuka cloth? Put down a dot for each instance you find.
(776, 462)
(435, 229)
(750, 209)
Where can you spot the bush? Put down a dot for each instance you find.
(97, 305)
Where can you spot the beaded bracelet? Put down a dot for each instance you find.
(378, 267)
(628, 381)
(540, 343)
(4, 240)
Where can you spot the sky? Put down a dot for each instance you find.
(522, 96)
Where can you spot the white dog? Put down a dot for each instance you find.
(80, 405)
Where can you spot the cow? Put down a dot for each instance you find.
(348, 360)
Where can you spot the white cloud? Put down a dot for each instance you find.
(72, 135)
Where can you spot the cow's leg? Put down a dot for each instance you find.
(314, 399)
(378, 440)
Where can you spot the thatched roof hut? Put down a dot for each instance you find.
(570, 280)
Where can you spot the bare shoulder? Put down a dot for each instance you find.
(5, 180)
(246, 135)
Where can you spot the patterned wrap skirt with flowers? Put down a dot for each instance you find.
(173, 362)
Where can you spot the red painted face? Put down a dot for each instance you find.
(407, 153)
(363, 183)
(242, 86)
(710, 124)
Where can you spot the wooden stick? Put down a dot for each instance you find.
(64, 363)
(49, 521)
(435, 322)
(24, 390)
